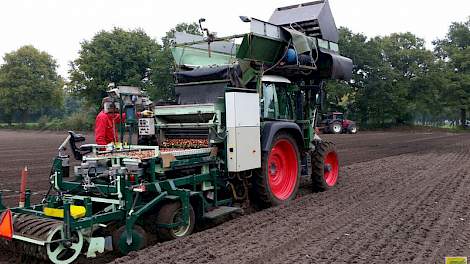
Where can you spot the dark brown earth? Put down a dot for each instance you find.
(401, 198)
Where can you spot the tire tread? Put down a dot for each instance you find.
(261, 194)
(318, 181)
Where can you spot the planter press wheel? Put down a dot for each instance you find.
(325, 167)
(139, 239)
(63, 252)
(171, 213)
(279, 179)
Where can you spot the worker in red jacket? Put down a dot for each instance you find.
(107, 122)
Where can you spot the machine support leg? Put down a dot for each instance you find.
(132, 218)
(67, 219)
(152, 170)
(88, 206)
(27, 198)
(185, 202)
(184, 197)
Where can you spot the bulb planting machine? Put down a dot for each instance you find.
(241, 128)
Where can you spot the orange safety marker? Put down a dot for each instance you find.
(6, 225)
(24, 177)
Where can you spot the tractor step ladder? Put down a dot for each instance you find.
(221, 211)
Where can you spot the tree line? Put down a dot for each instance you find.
(396, 80)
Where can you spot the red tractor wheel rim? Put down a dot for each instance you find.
(331, 168)
(282, 169)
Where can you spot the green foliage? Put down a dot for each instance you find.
(29, 83)
(73, 104)
(121, 57)
(454, 53)
(79, 121)
(397, 80)
(161, 76)
(163, 68)
(125, 58)
(190, 28)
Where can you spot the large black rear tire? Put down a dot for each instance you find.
(325, 167)
(335, 127)
(277, 182)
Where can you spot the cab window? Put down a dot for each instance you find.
(277, 101)
(269, 100)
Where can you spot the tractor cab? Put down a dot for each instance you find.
(277, 98)
(336, 116)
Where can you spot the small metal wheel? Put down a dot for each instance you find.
(139, 239)
(172, 213)
(63, 252)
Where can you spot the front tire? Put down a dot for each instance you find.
(325, 167)
(352, 129)
(278, 181)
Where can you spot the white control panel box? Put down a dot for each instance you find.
(146, 126)
(243, 129)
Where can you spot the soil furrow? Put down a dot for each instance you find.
(401, 198)
(340, 240)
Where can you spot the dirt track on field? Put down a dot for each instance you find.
(401, 198)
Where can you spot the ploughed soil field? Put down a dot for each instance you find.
(401, 198)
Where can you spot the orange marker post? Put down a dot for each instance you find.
(6, 225)
(24, 177)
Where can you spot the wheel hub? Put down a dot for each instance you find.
(181, 230)
(331, 168)
(273, 168)
(282, 169)
(337, 128)
(328, 167)
(64, 251)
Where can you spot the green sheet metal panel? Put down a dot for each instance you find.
(261, 48)
(200, 58)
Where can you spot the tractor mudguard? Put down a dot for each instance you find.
(270, 129)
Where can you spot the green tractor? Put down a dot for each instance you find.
(242, 129)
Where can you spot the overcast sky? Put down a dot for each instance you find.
(58, 26)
